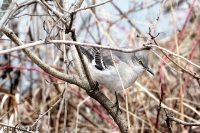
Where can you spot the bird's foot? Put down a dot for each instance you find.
(116, 104)
(118, 108)
(95, 88)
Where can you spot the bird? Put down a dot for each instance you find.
(103, 71)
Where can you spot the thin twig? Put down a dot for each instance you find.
(172, 118)
(155, 22)
(28, 45)
(159, 47)
(92, 6)
(58, 14)
(125, 93)
(33, 15)
(41, 116)
(66, 77)
(77, 113)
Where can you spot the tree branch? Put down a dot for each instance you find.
(97, 95)
(68, 78)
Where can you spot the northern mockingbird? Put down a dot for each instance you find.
(102, 69)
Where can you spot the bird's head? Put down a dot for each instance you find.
(140, 60)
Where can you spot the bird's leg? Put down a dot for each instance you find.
(117, 105)
(95, 88)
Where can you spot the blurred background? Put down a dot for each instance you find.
(27, 91)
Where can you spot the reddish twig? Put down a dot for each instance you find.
(31, 68)
(174, 45)
(162, 93)
(100, 113)
(195, 44)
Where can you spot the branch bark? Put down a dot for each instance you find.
(68, 78)
(97, 95)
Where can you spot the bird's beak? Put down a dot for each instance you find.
(149, 70)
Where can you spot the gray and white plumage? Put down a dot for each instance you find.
(102, 70)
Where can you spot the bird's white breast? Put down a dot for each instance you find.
(110, 79)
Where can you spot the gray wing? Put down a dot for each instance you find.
(107, 58)
(87, 53)
(102, 59)
(96, 57)
(124, 57)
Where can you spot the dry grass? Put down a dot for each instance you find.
(25, 93)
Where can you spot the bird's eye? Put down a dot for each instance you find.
(140, 61)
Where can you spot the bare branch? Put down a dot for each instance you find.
(159, 47)
(98, 95)
(68, 78)
(92, 6)
(28, 45)
(58, 14)
(169, 116)
(156, 20)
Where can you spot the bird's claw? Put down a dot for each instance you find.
(117, 105)
(95, 88)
